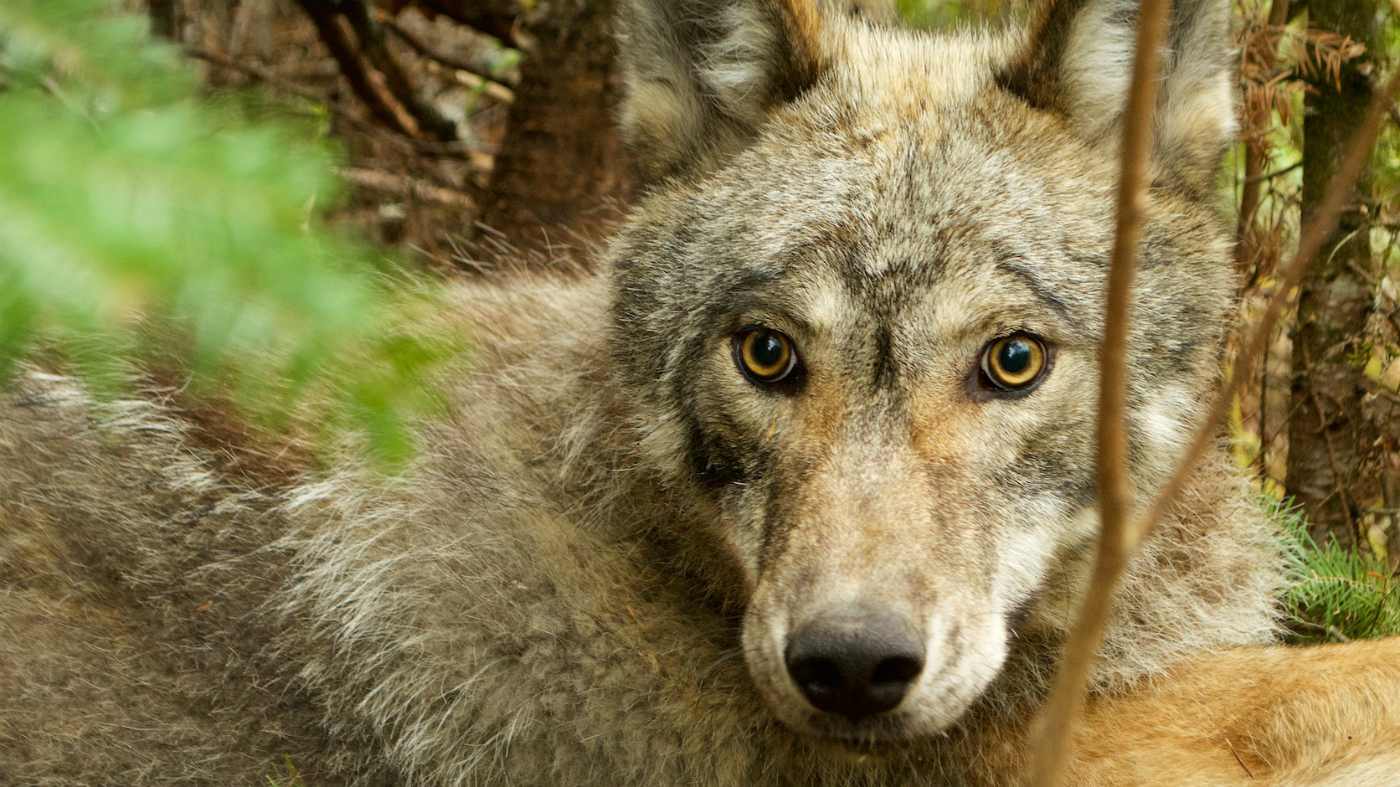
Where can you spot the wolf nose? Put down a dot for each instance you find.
(855, 665)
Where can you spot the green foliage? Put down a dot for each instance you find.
(1333, 590)
(285, 774)
(132, 209)
(935, 14)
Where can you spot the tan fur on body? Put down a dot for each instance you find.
(589, 574)
(1283, 716)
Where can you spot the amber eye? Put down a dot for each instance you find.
(1014, 363)
(765, 355)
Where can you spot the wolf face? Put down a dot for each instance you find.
(858, 319)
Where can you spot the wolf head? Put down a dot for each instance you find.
(858, 314)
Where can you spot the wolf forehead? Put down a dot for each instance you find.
(904, 171)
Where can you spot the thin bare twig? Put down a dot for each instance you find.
(396, 79)
(367, 84)
(478, 160)
(1119, 541)
(1116, 545)
(256, 72)
(1275, 173)
(493, 87)
(1314, 235)
(406, 186)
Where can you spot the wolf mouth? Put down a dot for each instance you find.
(887, 734)
(884, 741)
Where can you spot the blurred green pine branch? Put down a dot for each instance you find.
(1334, 592)
(132, 209)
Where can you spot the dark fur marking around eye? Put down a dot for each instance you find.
(1022, 271)
(708, 461)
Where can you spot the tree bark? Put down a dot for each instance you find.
(1329, 437)
(492, 17)
(163, 21)
(562, 169)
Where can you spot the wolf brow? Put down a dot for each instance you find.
(1023, 271)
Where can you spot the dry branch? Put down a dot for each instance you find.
(498, 18)
(367, 83)
(256, 72)
(479, 161)
(376, 48)
(492, 87)
(1118, 541)
(407, 187)
(1116, 545)
(1314, 234)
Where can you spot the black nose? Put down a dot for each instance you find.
(855, 664)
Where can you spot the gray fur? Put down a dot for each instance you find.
(583, 578)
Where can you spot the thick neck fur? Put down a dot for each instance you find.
(532, 591)
(479, 626)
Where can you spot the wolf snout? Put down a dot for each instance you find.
(856, 663)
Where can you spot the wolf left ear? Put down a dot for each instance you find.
(1077, 61)
(702, 76)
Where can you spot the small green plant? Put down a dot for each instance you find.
(1334, 592)
(139, 221)
(285, 774)
(936, 14)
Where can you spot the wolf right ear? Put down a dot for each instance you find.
(1077, 61)
(701, 76)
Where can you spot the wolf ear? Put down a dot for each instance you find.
(1077, 61)
(701, 76)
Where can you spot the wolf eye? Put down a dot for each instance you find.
(765, 355)
(1014, 363)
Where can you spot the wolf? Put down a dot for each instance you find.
(796, 489)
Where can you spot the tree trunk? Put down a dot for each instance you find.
(562, 169)
(163, 22)
(1329, 436)
(492, 17)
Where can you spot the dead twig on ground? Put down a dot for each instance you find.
(491, 86)
(376, 48)
(367, 83)
(407, 187)
(256, 72)
(497, 18)
(480, 161)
